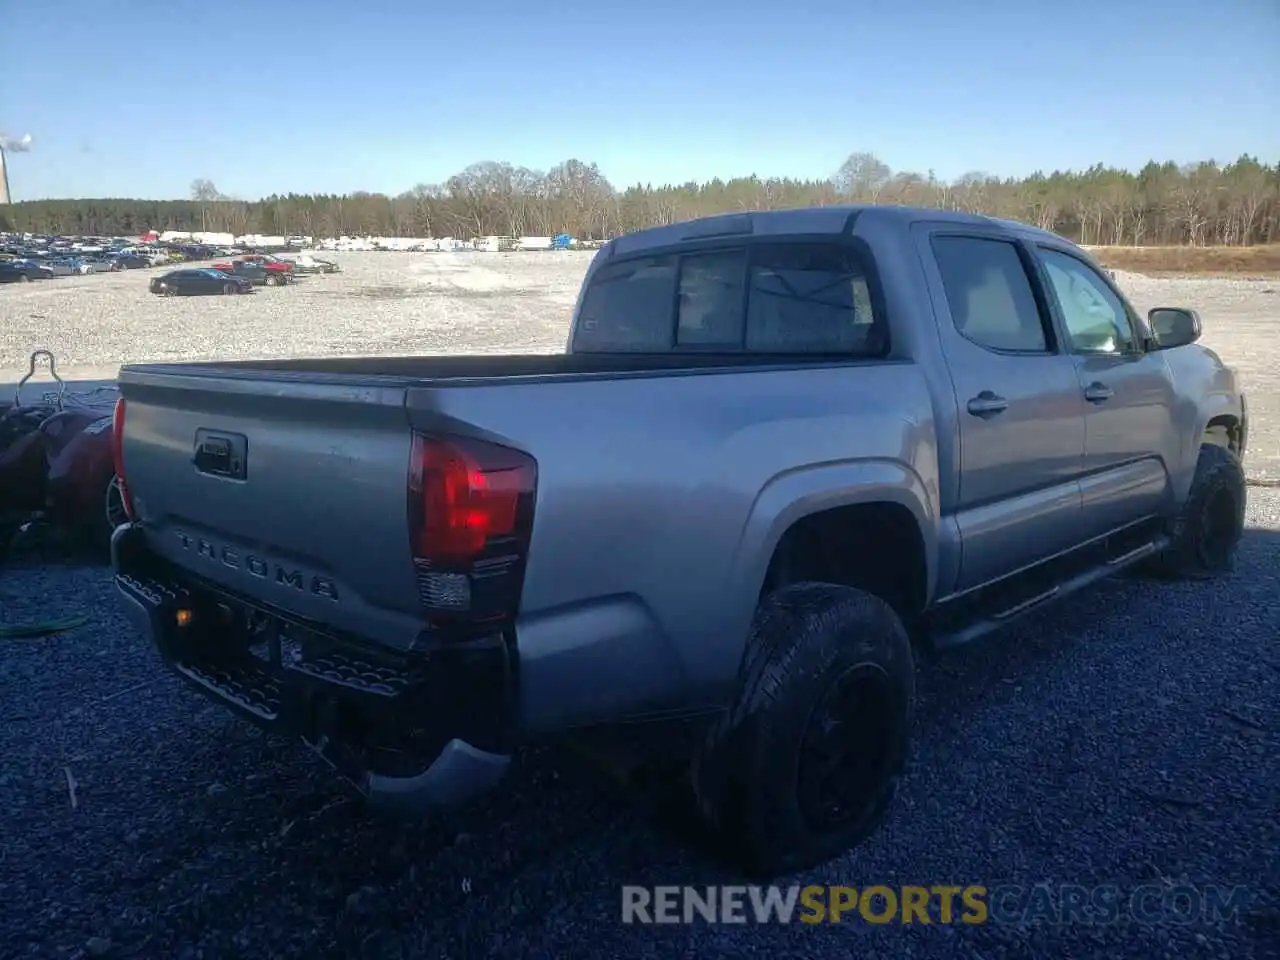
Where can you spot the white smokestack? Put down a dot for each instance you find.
(11, 145)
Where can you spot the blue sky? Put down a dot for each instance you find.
(140, 97)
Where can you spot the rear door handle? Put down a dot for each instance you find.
(987, 404)
(1098, 392)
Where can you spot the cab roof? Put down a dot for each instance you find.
(805, 220)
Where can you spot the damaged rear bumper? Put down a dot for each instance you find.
(411, 732)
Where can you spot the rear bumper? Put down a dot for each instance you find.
(410, 733)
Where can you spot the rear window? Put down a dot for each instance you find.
(789, 298)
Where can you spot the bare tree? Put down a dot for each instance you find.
(862, 177)
(204, 193)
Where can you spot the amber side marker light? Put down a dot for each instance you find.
(183, 617)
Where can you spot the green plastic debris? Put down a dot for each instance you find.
(45, 629)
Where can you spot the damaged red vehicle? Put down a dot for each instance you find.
(264, 260)
(56, 471)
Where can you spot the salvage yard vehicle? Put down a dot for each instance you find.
(64, 267)
(257, 275)
(261, 274)
(182, 283)
(97, 263)
(265, 261)
(307, 264)
(800, 440)
(23, 271)
(56, 464)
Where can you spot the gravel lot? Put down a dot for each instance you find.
(399, 303)
(1129, 738)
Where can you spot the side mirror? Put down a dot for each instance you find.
(1174, 327)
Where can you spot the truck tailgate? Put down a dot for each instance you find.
(290, 492)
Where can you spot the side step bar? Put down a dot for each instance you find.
(947, 639)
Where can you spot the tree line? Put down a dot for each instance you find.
(1199, 204)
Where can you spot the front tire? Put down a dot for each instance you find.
(273, 281)
(807, 761)
(229, 289)
(1207, 532)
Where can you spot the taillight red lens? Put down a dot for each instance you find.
(464, 495)
(117, 455)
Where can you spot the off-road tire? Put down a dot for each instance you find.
(747, 772)
(1207, 532)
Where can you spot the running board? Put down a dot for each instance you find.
(944, 640)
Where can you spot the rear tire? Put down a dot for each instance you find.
(1206, 534)
(168, 291)
(23, 278)
(807, 761)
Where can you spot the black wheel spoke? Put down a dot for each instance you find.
(847, 749)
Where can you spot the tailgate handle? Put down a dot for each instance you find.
(221, 454)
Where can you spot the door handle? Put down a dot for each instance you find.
(1098, 392)
(987, 404)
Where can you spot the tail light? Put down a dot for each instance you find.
(117, 455)
(470, 521)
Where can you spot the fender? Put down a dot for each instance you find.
(1207, 389)
(795, 494)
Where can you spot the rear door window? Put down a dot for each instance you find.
(628, 307)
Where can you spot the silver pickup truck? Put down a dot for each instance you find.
(780, 449)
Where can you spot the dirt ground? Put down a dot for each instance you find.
(1259, 261)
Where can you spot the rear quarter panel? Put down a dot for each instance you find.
(660, 501)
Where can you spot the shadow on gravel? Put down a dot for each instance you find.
(1042, 753)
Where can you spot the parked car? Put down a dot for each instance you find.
(132, 261)
(258, 275)
(266, 261)
(81, 265)
(181, 283)
(63, 267)
(917, 423)
(98, 264)
(307, 264)
(22, 271)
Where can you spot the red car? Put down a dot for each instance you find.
(263, 260)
